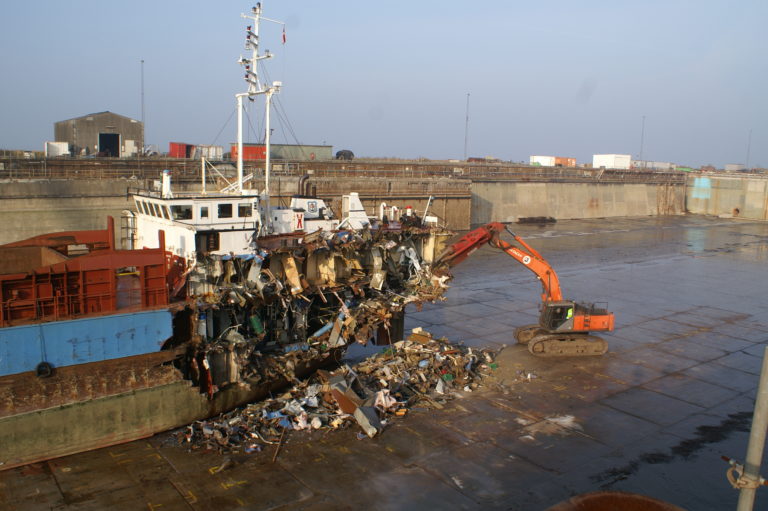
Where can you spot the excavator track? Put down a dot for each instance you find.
(524, 334)
(567, 345)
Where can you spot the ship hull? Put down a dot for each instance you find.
(163, 401)
(82, 340)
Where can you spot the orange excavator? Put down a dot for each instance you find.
(564, 325)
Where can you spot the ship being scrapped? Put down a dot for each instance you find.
(217, 300)
(100, 345)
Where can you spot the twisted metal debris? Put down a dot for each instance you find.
(419, 371)
(262, 315)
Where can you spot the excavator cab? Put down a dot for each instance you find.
(568, 316)
(563, 330)
(557, 316)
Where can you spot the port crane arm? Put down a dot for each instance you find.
(524, 254)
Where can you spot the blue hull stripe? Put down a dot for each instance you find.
(80, 341)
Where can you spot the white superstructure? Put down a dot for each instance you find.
(215, 224)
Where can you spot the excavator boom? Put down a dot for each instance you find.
(525, 255)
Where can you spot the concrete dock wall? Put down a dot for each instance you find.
(29, 207)
(740, 196)
(32, 207)
(510, 201)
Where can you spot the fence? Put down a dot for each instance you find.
(189, 170)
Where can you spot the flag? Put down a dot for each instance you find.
(283, 34)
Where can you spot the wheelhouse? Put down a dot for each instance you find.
(212, 224)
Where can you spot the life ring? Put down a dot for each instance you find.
(311, 156)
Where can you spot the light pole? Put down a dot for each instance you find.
(143, 123)
(466, 129)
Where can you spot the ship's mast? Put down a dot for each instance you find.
(255, 87)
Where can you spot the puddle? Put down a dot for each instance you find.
(685, 450)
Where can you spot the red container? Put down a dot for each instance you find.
(251, 152)
(180, 150)
(561, 161)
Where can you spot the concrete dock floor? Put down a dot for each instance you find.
(652, 416)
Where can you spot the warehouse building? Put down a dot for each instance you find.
(103, 133)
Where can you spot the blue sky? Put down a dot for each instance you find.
(390, 79)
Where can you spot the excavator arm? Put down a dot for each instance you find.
(524, 254)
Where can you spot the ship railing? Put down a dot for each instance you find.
(71, 306)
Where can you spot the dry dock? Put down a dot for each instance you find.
(652, 416)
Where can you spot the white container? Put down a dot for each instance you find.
(612, 161)
(53, 149)
(210, 152)
(544, 161)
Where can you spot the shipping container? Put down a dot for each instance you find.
(612, 161)
(544, 161)
(180, 150)
(209, 152)
(553, 161)
(251, 152)
(653, 165)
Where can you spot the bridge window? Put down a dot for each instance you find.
(225, 210)
(182, 211)
(244, 210)
(155, 209)
(204, 212)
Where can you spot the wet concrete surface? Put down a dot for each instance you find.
(675, 391)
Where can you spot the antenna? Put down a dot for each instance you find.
(466, 129)
(254, 87)
(642, 139)
(749, 145)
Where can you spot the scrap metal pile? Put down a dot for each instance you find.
(419, 371)
(264, 315)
